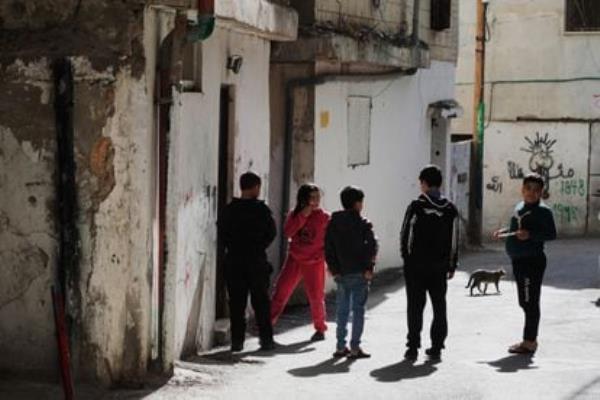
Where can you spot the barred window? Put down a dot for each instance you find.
(582, 16)
(441, 13)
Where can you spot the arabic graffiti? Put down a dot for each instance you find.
(541, 162)
(495, 185)
(565, 213)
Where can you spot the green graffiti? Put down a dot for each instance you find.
(573, 187)
(566, 213)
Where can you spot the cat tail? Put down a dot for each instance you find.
(469, 283)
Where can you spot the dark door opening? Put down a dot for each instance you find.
(225, 188)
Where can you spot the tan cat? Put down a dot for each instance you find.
(486, 277)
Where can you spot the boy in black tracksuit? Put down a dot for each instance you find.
(350, 251)
(246, 229)
(531, 225)
(429, 248)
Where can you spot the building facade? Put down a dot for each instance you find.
(362, 98)
(542, 107)
(159, 106)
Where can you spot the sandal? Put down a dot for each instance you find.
(521, 348)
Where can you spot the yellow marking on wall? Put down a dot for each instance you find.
(324, 117)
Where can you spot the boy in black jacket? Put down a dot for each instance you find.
(246, 229)
(350, 251)
(531, 225)
(429, 248)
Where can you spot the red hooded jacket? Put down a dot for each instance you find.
(307, 236)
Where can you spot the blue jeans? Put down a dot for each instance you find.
(352, 294)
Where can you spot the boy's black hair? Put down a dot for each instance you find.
(432, 176)
(249, 180)
(534, 178)
(351, 195)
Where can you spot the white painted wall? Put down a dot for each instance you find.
(193, 173)
(506, 142)
(534, 71)
(400, 146)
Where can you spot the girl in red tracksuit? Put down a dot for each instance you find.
(305, 229)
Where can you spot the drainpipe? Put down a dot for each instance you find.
(415, 22)
(205, 22)
(288, 148)
(65, 302)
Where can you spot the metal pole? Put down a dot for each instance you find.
(476, 184)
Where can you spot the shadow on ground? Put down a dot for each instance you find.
(511, 364)
(226, 357)
(402, 370)
(329, 366)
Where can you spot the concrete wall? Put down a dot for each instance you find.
(28, 232)
(393, 17)
(113, 104)
(514, 149)
(551, 76)
(193, 173)
(399, 147)
(516, 68)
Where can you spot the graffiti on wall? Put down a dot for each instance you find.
(542, 162)
(565, 213)
(495, 185)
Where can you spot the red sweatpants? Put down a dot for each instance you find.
(314, 287)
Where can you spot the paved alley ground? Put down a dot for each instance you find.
(474, 366)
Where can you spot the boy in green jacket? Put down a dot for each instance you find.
(531, 226)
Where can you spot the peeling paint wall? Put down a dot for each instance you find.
(113, 125)
(400, 143)
(28, 235)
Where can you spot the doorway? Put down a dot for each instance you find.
(225, 187)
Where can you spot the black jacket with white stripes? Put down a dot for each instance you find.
(429, 236)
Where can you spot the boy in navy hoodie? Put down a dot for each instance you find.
(531, 225)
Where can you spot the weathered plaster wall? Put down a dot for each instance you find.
(392, 17)
(28, 235)
(399, 147)
(193, 169)
(280, 74)
(515, 149)
(113, 105)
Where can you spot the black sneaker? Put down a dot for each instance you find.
(317, 337)
(237, 347)
(267, 346)
(339, 353)
(434, 353)
(411, 354)
(355, 354)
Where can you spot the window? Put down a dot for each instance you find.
(582, 16)
(441, 13)
(191, 72)
(359, 130)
